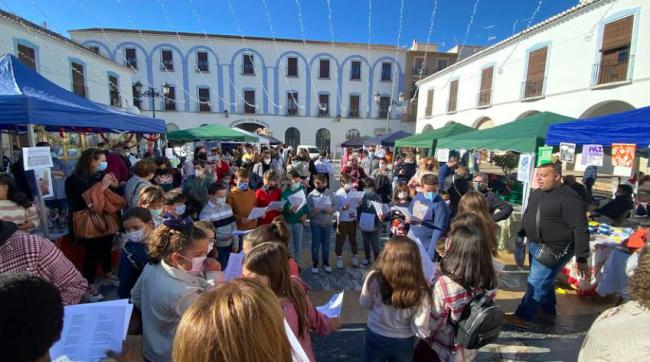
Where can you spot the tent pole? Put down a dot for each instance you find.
(31, 138)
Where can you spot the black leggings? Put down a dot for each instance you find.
(98, 251)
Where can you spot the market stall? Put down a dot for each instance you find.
(354, 142)
(211, 132)
(428, 140)
(386, 139)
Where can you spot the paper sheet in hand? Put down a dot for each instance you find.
(297, 199)
(428, 266)
(89, 330)
(275, 205)
(380, 208)
(257, 213)
(332, 308)
(235, 266)
(355, 196)
(322, 202)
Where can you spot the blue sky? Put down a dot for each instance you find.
(493, 20)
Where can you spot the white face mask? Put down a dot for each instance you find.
(267, 161)
(180, 209)
(198, 173)
(135, 236)
(402, 195)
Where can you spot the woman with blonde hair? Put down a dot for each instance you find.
(265, 263)
(240, 321)
(473, 202)
(428, 165)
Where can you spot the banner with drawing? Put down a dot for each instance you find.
(623, 158)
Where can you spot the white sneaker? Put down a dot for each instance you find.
(110, 280)
(339, 262)
(93, 295)
(314, 270)
(327, 268)
(355, 261)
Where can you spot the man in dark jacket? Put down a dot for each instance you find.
(456, 186)
(555, 224)
(499, 209)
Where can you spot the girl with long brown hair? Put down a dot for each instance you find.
(178, 271)
(397, 297)
(266, 263)
(473, 202)
(275, 232)
(240, 321)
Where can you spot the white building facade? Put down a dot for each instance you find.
(304, 92)
(64, 62)
(590, 60)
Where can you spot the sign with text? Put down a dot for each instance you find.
(36, 157)
(544, 154)
(592, 155)
(524, 170)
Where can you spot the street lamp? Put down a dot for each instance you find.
(152, 93)
(399, 103)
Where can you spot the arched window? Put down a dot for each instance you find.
(351, 133)
(292, 137)
(323, 139)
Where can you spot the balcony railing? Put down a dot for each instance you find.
(170, 104)
(292, 111)
(383, 112)
(419, 71)
(202, 66)
(248, 69)
(204, 106)
(532, 88)
(354, 113)
(484, 98)
(116, 101)
(323, 111)
(131, 63)
(612, 72)
(250, 109)
(167, 65)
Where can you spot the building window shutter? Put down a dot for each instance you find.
(617, 34)
(429, 108)
(249, 99)
(485, 94)
(453, 96)
(324, 68)
(535, 75)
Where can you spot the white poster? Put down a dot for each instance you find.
(442, 154)
(169, 153)
(36, 157)
(525, 168)
(568, 152)
(44, 181)
(592, 155)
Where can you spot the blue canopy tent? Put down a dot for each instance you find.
(625, 127)
(386, 139)
(28, 98)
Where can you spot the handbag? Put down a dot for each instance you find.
(87, 224)
(545, 254)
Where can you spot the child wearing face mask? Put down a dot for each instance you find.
(321, 203)
(178, 272)
(401, 197)
(260, 169)
(242, 200)
(346, 227)
(174, 205)
(295, 216)
(222, 218)
(268, 193)
(152, 198)
(138, 225)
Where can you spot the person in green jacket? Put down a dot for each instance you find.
(295, 216)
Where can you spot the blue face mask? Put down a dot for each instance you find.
(430, 195)
(243, 186)
(102, 166)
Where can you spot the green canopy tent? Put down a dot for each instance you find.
(210, 132)
(523, 136)
(429, 139)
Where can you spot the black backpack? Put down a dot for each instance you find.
(480, 323)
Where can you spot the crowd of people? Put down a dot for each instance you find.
(177, 221)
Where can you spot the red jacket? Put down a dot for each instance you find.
(262, 199)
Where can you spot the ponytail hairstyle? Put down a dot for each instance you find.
(468, 260)
(276, 232)
(269, 260)
(172, 236)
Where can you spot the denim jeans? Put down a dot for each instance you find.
(370, 241)
(295, 246)
(320, 241)
(383, 349)
(541, 285)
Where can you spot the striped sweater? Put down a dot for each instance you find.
(12, 212)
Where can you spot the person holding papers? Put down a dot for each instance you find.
(265, 264)
(369, 223)
(220, 215)
(430, 215)
(177, 273)
(138, 225)
(268, 193)
(321, 203)
(346, 227)
(396, 295)
(242, 200)
(295, 212)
